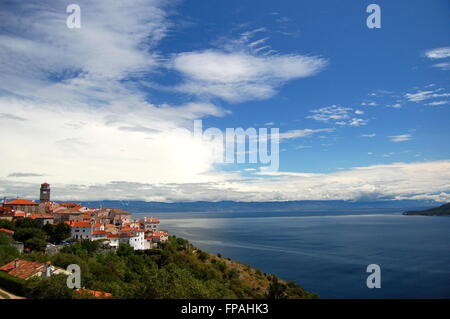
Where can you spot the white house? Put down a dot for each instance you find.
(157, 237)
(81, 230)
(98, 234)
(133, 237)
(138, 240)
(151, 224)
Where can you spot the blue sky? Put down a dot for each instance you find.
(367, 109)
(362, 61)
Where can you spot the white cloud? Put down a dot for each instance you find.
(438, 53)
(437, 103)
(389, 154)
(70, 100)
(443, 66)
(420, 96)
(43, 59)
(391, 181)
(369, 103)
(241, 76)
(400, 138)
(338, 115)
(302, 133)
(88, 146)
(369, 135)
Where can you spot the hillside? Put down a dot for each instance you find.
(443, 210)
(176, 270)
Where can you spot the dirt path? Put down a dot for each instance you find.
(11, 296)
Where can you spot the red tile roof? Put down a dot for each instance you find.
(10, 232)
(21, 202)
(79, 224)
(23, 268)
(98, 232)
(96, 294)
(120, 211)
(69, 204)
(157, 234)
(19, 214)
(35, 216)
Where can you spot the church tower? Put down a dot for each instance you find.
(45, 193)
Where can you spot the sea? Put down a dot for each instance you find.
(328, 252)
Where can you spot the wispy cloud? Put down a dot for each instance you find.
(79, 91)
(303, 133)
(241, 76)
(338, 115)
(369, 135)
(11, 117)
(420, 96)
(438, 53)
(370, 103)
(400, 138)
(443, 66)
(437, 103)
(24, 175)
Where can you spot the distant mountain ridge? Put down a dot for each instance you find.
(443, 210)
(286, 206)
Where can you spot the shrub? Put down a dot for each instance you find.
(54, 287)
(221, 266)
(203, 256)
(7, 224)
(12, 284)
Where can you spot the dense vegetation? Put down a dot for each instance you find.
(33, 235)
(175, 270)
(443, 210)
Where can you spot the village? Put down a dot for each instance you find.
(109, 227)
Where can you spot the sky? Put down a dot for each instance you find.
(106, 111)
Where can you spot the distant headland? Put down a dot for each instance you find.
(443, 210)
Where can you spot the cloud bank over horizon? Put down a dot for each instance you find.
(419, 181)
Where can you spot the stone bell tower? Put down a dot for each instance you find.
(45, 193)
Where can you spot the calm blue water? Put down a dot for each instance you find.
(329, 254)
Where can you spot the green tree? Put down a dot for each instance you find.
(35, 244)
(7, 252)
(54, 287)
(276, 290)
(27, 223)
(24, 234)
(90, 246)
(203, 256)
(62, 231)
(7, 224)
(125, 250)
(57, 233)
